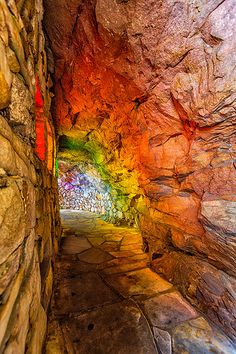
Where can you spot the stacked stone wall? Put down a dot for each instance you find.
(29, 218)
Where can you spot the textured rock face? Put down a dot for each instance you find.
(29, 222)
(152, 84)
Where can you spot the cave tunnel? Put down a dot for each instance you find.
(117, 176)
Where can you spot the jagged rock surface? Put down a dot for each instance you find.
(152, 84)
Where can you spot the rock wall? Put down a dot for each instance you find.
(151, 85)
(29, 220)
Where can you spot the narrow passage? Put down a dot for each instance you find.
(107, 299)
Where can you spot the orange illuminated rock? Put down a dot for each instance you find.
(45, 144)
(153, 85)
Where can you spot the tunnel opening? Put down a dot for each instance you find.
(87, 182)
(80, 188)
(80, 183)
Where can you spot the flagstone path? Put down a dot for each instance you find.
(108, 301)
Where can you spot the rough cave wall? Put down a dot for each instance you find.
(151, 84)
(29, 223)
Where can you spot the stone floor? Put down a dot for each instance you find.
(108, 301)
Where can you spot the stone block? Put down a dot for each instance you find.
(19, 151)
(26, 311)
(197, 336)
(28, 196)
(20, 109)
(12, 61)
(168, 310)
(118, 328)
(7, 156)
(37, 333)
(163, 341)
(5, 91)
(12, 219)
(140, 283)
(5, 76)
(8, 271)
(7, 308)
